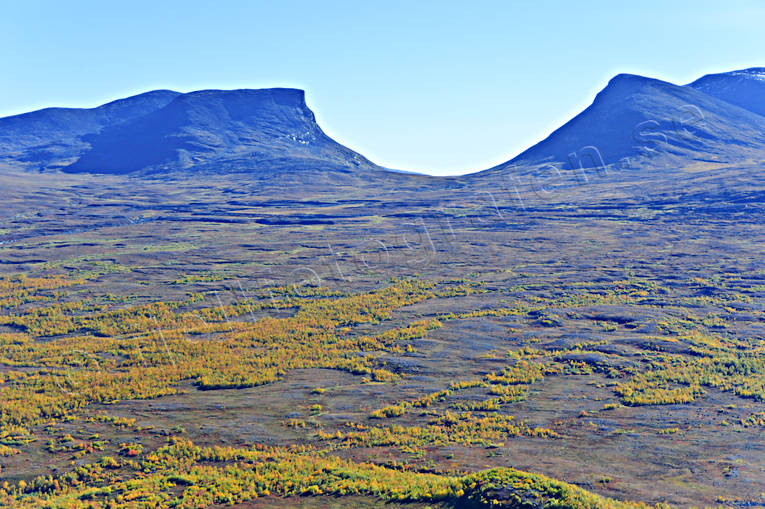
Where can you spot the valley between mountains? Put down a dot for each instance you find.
(205, 301)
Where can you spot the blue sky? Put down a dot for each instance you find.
(438, 87)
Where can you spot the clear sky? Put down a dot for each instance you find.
(438, 87)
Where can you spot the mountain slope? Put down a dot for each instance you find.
(51, 137)
(744, 88)
(637, 118)
(257, 131)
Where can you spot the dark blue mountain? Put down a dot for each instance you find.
(642, 119)
(52, 137)
(255, 131)
(744, 88)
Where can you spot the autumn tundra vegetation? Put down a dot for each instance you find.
(206, 301)
(68, 359)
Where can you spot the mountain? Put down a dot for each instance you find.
(744, 88)
(254, 131)
(635, 119)
(52, 137)
(634, 122)
(259, 133)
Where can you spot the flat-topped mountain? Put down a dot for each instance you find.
(259, 132)
(220, 130)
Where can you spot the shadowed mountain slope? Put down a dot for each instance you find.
(51, 138)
